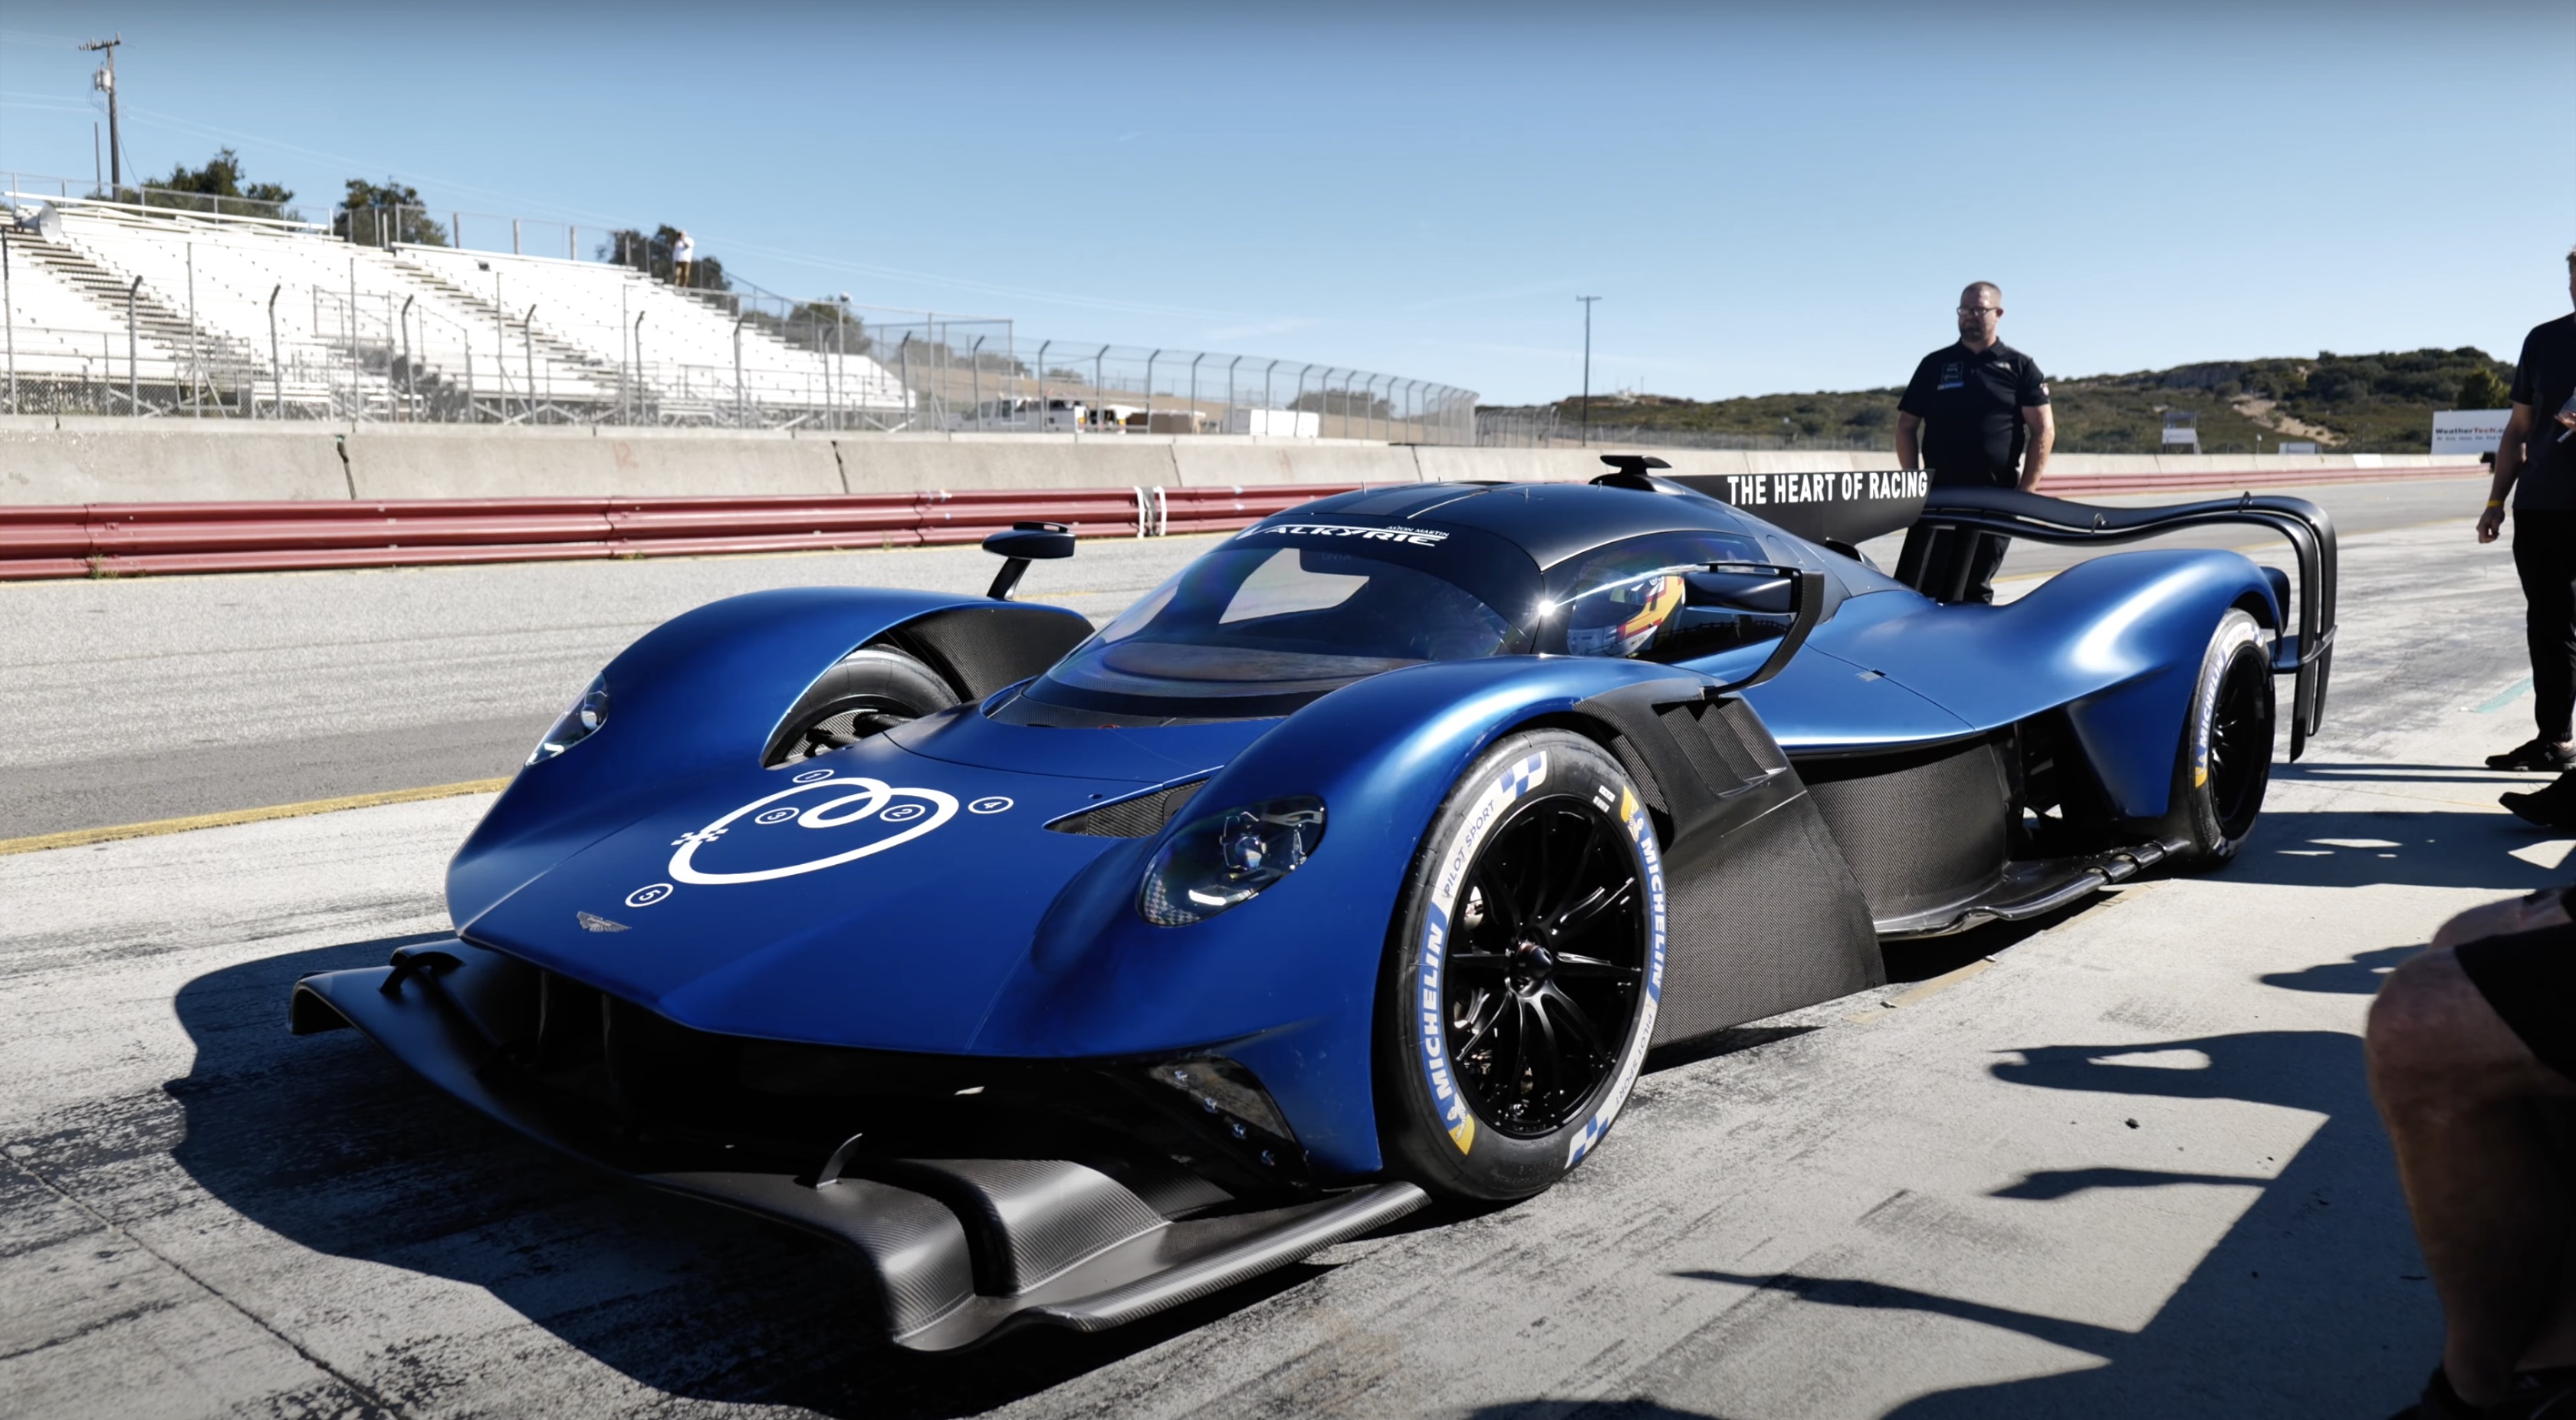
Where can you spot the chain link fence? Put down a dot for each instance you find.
(176, 305)
(1543, 427)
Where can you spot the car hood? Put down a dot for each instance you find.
(879, 896)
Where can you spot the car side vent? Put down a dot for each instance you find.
(1130, 818)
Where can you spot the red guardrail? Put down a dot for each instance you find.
(127, 539)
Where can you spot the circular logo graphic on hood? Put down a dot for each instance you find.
(850, 817)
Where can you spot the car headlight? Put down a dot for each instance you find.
(1224, 859)
(579, 723)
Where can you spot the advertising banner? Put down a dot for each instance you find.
(2468, 431)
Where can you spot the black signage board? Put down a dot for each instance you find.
(1849, 508)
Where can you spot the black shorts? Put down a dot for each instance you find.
(2530, 979)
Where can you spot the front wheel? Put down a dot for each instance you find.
(2225, 762)
(873, 689)
(1527, 959)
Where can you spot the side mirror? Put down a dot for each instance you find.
(1022, 544)
(1805, 591)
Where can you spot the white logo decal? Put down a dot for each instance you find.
(648, 894)
(775, 816)
(918, 810)
(1418, 537)
(993, 804)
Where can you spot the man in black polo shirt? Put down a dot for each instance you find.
(2539, 455)
(1990, 426)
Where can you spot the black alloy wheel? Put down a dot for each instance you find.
(1545, 967)
(1523, 970)
(2240, 743)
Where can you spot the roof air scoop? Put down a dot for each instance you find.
(1629, 471)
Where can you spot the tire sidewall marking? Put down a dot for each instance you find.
(1431, 1028)
(2223, 645)
(1641, 832)
(2204, 704)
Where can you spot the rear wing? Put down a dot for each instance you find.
(1935, 563)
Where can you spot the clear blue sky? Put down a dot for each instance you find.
(1764, 200)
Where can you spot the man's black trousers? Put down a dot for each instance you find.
(2544, 554)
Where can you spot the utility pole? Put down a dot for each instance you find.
(105, 82)
(1587, 367)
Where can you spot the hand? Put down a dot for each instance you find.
(2489, 523)
(2502, 919)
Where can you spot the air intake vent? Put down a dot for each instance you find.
(1130, 818)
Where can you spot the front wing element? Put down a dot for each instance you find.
(950, 1251)
(1935, 564)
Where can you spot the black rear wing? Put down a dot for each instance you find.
(1935, 560)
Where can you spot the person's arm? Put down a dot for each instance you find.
(2043, 437)
(2508, 468)
(2528, 913)
(1909, 448)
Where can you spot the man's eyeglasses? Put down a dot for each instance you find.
(1981, 310)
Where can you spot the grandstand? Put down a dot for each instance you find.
(54, 329)
(282, 319)
(153, 308)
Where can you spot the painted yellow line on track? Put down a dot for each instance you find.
(81, 837)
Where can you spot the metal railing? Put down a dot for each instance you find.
(1543, 428)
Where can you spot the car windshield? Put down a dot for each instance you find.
(1259, 630)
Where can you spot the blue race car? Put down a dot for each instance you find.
(1066, 976)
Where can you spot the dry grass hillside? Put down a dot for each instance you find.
(2348, 403)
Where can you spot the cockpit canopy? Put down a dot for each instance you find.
(1297, 607)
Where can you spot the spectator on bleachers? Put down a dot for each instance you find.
(684, 254)
(2472, 1058)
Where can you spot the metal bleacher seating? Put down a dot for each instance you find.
(683, 352)
(55, 327)
(287, 318)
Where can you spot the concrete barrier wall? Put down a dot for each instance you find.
(47, 461)
(126, 463)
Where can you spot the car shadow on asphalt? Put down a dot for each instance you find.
(2436, 846)
(2363, 771)
(329, 1144)
(1585, 1410)
(2314, 1302)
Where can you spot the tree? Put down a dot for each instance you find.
(2482, 390)
(652, 255)
(383, 214)
(221, 178)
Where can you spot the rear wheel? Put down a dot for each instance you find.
(873, 689)
(1528, 956)
(2226, 757)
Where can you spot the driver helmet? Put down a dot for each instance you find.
(1622, 620)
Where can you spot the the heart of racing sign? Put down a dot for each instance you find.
(1847, 507)
(821, 821)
